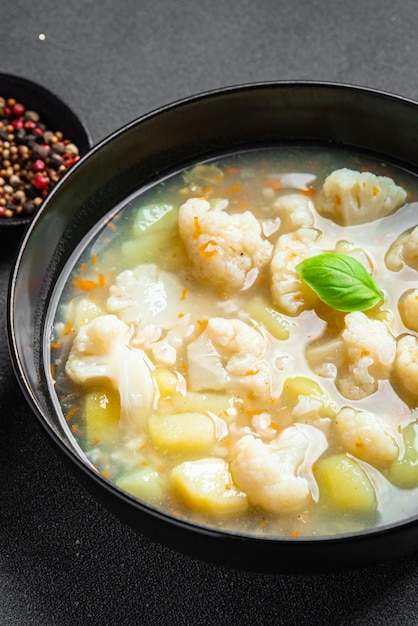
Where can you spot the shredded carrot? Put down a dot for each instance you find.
(337, 199)
(262, 523)
(95, 441)
(207, 190)
(275, 426)
(101, 279)
(233, 189)
(365, 352)
(295, 534)
(83, 268)
(251, 396)
(144, 463)
(209, 248)
(55, 344)
(52, 370)
(261, 280)
(232, 170)
(375, 190)
(70, 414)
(309, 191)
(105, 474)
(94, 259)
(228, 487)
(183, 294)
(251, 372)
(180, 315)
(111, 225)
(202, 324)
(68, 328)
(82, 283)
(74, 428)
(251, 412)
(359, 443)
(274, 183)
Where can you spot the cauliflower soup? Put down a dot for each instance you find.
(237, 345)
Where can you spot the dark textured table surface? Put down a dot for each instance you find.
(63, 558)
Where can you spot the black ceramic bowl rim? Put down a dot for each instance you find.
(55, 113)
(313, 111)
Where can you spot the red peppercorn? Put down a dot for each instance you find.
(38, 166)
(40, 182)
(67, 159)
(29, 124)
(17, 122)
(18, 109)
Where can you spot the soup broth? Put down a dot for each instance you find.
(195, 369)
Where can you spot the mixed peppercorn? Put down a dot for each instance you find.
(32, 159)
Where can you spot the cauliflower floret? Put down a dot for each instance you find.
(349, 197)
(290, 294)
(370, 350)
(230, 353)
(226, 250)
(146, 295)
(101, 351)
(403, 250)
(363, 435)
(408, 309)
(164, 347)
(362, 354)
(295, 210)
(406, 362)
(270, 473)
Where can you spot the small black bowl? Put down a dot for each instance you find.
(187, 132)
(54, 113)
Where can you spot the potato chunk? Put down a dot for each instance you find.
(206, 485)
(404, 471)
(182, 433)
(144, 483)
(102, 411)
(263, 313)
(344, 485)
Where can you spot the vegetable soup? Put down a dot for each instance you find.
(237, 344)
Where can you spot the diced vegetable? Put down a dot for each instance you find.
(102, 411)
(206, 485)
(154, 217)
(344, 485)
(272, 320)
(145, 483)
(154, 235)
(182, 433)
(404, 471)
(166, 380)
(83, 310)
(316, 399)
(195, 402)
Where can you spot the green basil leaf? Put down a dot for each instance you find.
(340, 281)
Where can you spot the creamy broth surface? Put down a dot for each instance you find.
(195, 369)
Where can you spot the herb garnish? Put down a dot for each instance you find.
(340, 281)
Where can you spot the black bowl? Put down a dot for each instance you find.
(54, 113)
(230, 119)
